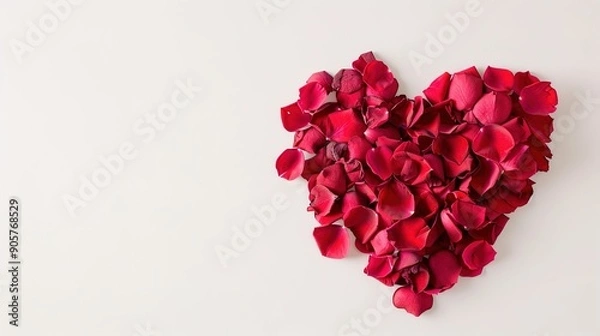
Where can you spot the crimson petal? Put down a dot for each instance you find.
(444, 270)
(539, 98)
(478, 254)
(312, 96)
(341, 126)
(396, 201)
(409, 234)
(290, 164)
(465, 89)
(493, 142)
(332, 240)
(493, 108)
(438, 89)
(363, 222)
(415, 304)
(498, 79)
(293, 118)
(379, 160)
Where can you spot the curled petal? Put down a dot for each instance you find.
(290, 164)
(539, 98)
(478, 254)
(493, 142)
(523, 79)
(376, 116)
(498, 79)
(493, 108)
(452, 147)
(363, 222)
(382, 269)
(332, 240)
(450, 225)
(310, 140)
(363, 60)
(312, 96)
(323, 78)
(381, 244)
(396, 201)
(438, 89)
(380, 80)
(347, 81)
(415, 304)
(334, 177)
(321, 200)
(486, 177)
(465, 89)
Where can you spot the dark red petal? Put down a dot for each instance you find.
(420, 280)
(347, 81)
(453, 231)
(468, 214)
(363, 222)
(321, 200)
(491, 231)
(437, 91)
(377, 116)
(415, 304)
(493, 142)
(493, 108)
(332, 240)
(498, 79)
(396, 201)
(334, 178)
(290, 164)
(478, 254)
(312, 96)
(309, 140)
(539, 98)
(358, 148)
(486, 177)
(452, 147)
(350, 100)
(341, 126)
(444, 270)
(465, 89)
(293, 118)
(523, 79)
(409, 234)
(379, 160)
(323, 78)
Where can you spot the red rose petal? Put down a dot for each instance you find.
(290, 164)
(493, 108)
(321, 200)
(539, 98)
(341, 126)
(415, 304)
(396, 201)
(379, 160)
(310, 140)
(347, 81)
(409, 234)
(478, 254)
(379, 267)
(332, 240)
(377, 116)
(293, 118)
(498, 79)
(444, 270)
(468, 214)
(438, 89)
(465, 89)
(449, 223)
(452, 147)
(380, 80)
(486, 177)
(523, 79)
(323, 78)
(493, 142)
(363, 222)
(363, 60)
(312, 96)
(334, 178)
(381, 244)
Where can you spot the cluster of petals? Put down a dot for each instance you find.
(422, 185)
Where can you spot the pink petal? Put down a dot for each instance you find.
(468, 214)
(312, 96)
(309, 140)
(363, 222)
(396, 201)
(523, 79)
(323, 78)
(290, 164)
(334, 178)
(332, 240)
(437, 91)
(379, 160)
(293, 118)
(444, 270)
(493, 108)
(465, 89)
(498, 79)
(493, 142)
(380, 80)
(415, 304)
(341, 126)
(409, 234)
(478, 254)
(452, 147)
(539, 98)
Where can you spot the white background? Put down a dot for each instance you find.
(139, 259)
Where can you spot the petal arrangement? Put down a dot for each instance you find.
(423, 184)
